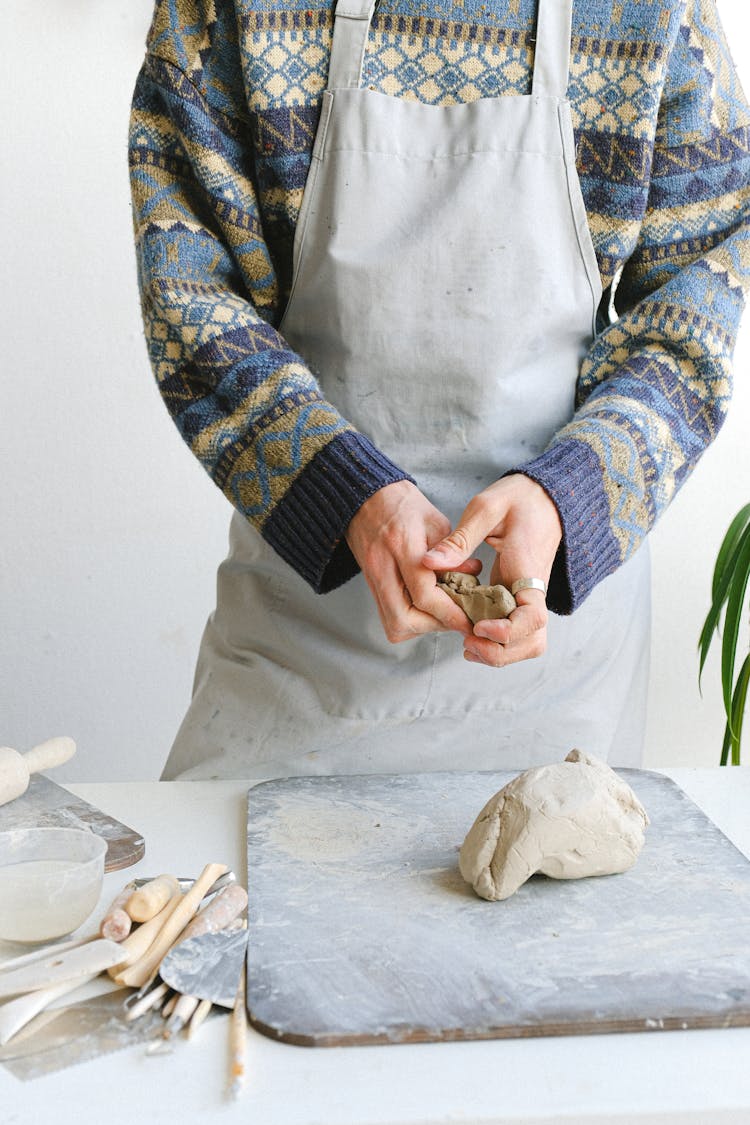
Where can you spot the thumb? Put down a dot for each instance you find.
(455, 549)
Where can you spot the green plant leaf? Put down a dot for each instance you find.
(726, 745)
(740, 574)
(721, 590)
(739, 700)
(728, 545)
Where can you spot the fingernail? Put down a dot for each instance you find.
(437, 552)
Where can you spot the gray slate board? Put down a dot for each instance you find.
(361, 929)
(45, 804)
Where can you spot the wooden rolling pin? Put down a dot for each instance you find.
(16, 769)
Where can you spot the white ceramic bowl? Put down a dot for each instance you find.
(50, 881)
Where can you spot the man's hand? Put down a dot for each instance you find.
(388, 537)
(520, 522)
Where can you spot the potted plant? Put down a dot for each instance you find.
(728, 588)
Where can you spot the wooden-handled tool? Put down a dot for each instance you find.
(145, 902)
(16, 769)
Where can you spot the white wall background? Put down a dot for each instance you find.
(110, 532)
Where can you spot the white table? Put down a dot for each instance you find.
(701, 1077)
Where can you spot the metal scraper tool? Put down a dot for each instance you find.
(65, 1036)
(207, 966)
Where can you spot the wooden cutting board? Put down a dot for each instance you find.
(45, 804)
(361, 929)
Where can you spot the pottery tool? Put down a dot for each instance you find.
(83, 960)
(43, 951)
(208, 966)
(181, 1013)
(199, 1015)
(16, 769)
(227, 906)
(238, 1040)
(117, 923)
(154, 999)
(17, 1013)
(76, 1033)
(146, 901)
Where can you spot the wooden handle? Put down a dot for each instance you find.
(153, 999)
(51, 753)
(116, 923)
(227, 905)
(148, 900)
(199, 1015)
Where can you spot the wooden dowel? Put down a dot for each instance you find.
(152, 999)
(199, 1015)
(237, 1040)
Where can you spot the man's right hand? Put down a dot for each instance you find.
(388, 537)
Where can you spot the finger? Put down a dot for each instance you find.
(400, 618)
(479, 519)
(470, 566)
(528, 618)
(522, 636)
(479, 651)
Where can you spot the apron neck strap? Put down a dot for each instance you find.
(351, 25)
(552, 51)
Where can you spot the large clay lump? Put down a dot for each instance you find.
(569, 820)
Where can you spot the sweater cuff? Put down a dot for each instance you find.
(307, 525)
(571, 474)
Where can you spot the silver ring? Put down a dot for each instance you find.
(528, 584)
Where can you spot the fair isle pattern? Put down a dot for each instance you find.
(224, 118)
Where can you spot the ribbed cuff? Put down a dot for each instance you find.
(307, 526)
(571, 474)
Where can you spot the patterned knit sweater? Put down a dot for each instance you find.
(224, 115)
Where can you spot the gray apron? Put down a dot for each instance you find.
(445, 289)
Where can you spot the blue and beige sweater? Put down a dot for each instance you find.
(224, 115)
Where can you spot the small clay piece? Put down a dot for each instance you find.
(479, 603)
(567, 821)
